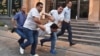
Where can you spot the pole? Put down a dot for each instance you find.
(78, 9)
(54, 4)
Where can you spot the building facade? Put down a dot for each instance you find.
(9, 7)
(83, 9)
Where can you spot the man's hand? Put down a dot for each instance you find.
(14, 26)
(67, 21)
(41, 27)
(14, 23)
(13, 29)
(45, 14)
(48, 16)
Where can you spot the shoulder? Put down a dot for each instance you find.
(65, 8)
(33, 9)
(18, 13)
(53, 11)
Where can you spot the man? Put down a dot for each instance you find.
(31, 25)
(18, 22)
(66, 22)
(58, 17)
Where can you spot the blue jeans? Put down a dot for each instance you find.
(53, 39)
(66, 26)
(20, 32)
(32, 39)
(35, 42)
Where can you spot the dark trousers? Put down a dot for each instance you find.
(66, 26)
(35, 42)
(20, 32)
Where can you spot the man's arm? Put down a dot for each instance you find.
(39, 24)
(49, 17)
(14, 20)
(36, 20)
(14, 23)
(42, 27)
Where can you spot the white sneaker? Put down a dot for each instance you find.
(21, 50)
(34, 55)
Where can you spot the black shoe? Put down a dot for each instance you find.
(13, 30)
(41, 42)
(71, 44)
(19, 42)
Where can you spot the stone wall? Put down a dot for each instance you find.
(94, 11)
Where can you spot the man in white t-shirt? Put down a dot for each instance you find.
(31, 25)
(58, 17)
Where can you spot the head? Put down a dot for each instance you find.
(69, 4)
(54, 27)
(60, 9)
(23, 8)
(39, 6)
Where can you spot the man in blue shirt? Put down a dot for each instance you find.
(18, 22)
(66, 22)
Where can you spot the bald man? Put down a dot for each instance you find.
(18, 21)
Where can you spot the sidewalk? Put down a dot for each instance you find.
(10, 47)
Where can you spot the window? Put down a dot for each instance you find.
(84, 8)
(49, 5)
(61, 2)
(74, 9)
(9, 7)
(16, 4)
(3, 7)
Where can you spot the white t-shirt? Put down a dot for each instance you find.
(57, 17)
(29, 23)
(47, 29)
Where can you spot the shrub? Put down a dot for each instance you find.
(2, 24)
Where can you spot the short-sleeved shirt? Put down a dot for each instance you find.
(30, 23)
(47, 29)
(57, 17)
(20, 17)
(67, 14)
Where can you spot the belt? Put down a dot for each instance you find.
(66, 22)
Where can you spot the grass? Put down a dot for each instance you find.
(2, 24)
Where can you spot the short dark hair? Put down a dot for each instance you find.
(54, 26)
(39, 3)
(59, 6)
